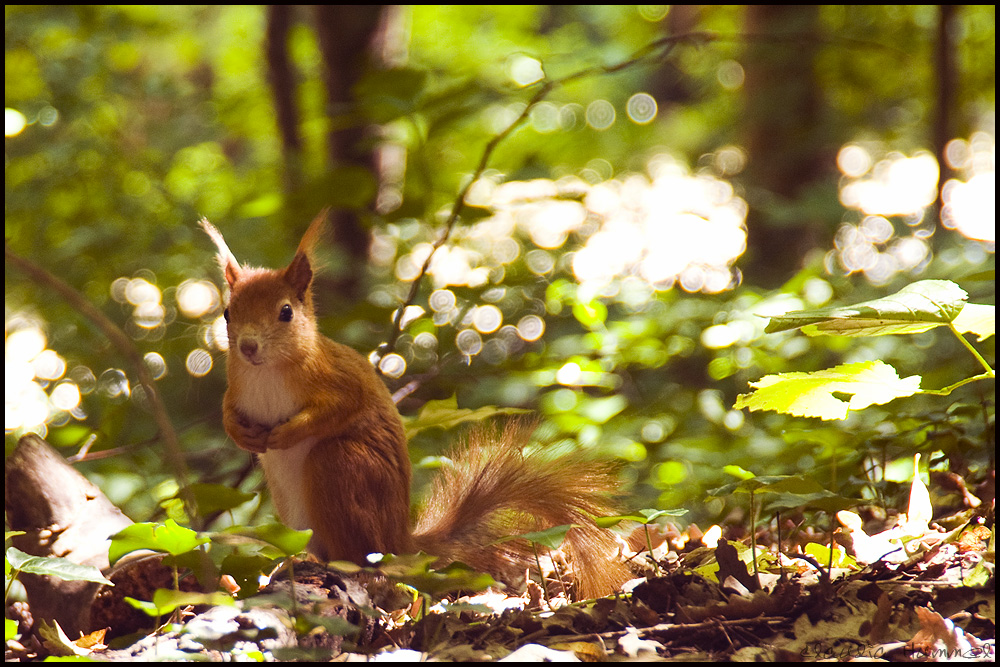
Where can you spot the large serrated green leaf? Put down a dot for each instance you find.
(812, 394)
(978, 319)
(915, 308)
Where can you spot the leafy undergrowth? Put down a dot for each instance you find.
(908, 590)
(912, 591)
(883, 587)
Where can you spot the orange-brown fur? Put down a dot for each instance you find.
(334, 451)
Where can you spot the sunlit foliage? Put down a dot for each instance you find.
(595, 275)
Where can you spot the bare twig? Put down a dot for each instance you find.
(120, 340)
(671, 631)
(653, 52)
(456, 211)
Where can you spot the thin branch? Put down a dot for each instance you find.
(669, 631)
(456, 211)
(952, 387)
(985, 364)
(653, 52)
(659, 49)
(119, 340)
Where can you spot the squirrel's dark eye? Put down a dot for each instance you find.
(225, 314)
(286, 313)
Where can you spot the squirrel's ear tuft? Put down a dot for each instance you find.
(299, 273)
(231, 268)
(307, 245)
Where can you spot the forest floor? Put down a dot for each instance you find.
(930, 598)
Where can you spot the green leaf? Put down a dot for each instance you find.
(146, 607)
(915, 308)
(246, 570)
(166, 600)
(334, 625)
(779, 484)
(824, 500)
(287, 540)
(642, 516)
(812, 394)
(978, 319)
(550, 537)
(459, 607)
(217, 497)
(54, 567)
(446, 414)
(821, 553)
(979, 575)
(738, 472)
(169, 537)
(416, 571)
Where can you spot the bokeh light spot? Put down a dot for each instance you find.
(600, 114)
(392, 365)
(198, 362)
(730, 75)
(641, 108)
(525, 70)
(156, 364)
(487, 319)
(653, 13)
(14, 122)
(469, 342)
(570, 374)
(531, 327)
(853, 161)
(65, 396)
(197, 297)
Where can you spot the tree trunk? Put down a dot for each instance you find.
(281, 76)
(783, 136)
(347, 36)
(946, 73)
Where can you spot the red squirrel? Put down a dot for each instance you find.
(335, 457)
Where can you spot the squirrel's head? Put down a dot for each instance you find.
(270, 316)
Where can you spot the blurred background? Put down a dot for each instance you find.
(678, 174)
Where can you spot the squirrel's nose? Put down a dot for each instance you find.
(249, 348)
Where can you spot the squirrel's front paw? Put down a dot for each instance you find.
(280, 437)
(252, 437)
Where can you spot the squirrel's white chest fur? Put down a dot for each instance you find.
(285, 472)
(265, 396)
(266, 399)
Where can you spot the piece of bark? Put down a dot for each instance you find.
(62, 514)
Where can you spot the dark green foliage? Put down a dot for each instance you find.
(143, 119)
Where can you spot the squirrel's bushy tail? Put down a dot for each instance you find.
(494, 489)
